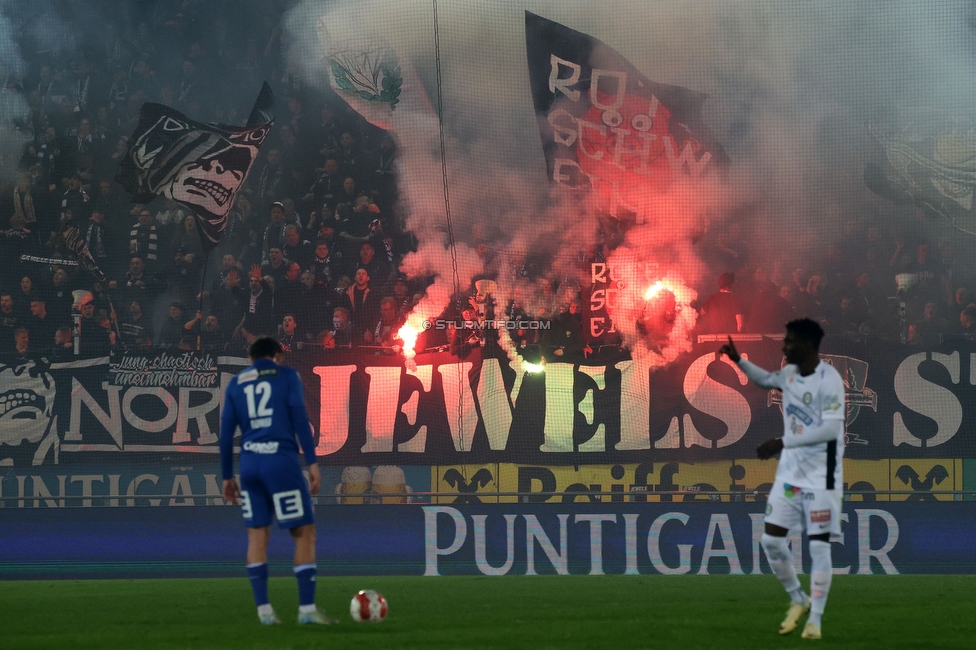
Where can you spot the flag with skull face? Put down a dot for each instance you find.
(199, 165)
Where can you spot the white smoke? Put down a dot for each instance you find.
(792, 88)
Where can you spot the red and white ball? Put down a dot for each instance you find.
(368, 606)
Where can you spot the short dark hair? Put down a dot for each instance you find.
(726, 280)
(808, 330)
(264, 347)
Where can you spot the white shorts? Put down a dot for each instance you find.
(792, 507)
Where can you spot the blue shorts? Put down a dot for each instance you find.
(272, 485)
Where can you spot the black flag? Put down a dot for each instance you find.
(930, 164)
(199, 165)
(607, 127)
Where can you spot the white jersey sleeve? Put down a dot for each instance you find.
(760, 376)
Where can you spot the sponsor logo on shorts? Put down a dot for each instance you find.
(791, 490)
(819, 516)
(262, 447)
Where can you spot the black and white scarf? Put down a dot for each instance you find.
(153, 240)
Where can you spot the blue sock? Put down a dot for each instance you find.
(258, 574)
(306, 583)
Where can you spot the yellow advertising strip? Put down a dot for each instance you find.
(645, 482)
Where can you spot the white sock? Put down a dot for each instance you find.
(265, 610)
(306, 609)
(821, 573)
(781, 562)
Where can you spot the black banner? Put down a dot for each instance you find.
(370, 410)
(929, 164)
(607, 127)
(199, 165)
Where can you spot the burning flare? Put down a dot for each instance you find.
(654, 289)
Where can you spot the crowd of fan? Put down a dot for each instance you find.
(312, 243)
(312, 246)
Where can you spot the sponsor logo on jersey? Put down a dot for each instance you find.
(268, 372)
(819, 516)
(807, 398)
(247, 375)
(831, 403)
(791, 490)
(262, 447)
(799, 414)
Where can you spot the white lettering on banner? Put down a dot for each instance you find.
(431, 549)
(86, 486)
(333, 407)
(181, 488)
(864, 550)
(719, 530)
(563, 84)
(685, 158)
(418, 443)
(927, 398)
(150, 426)
(134, 486)
(617, 96)
(535, 533)
(654, 545)
(88, 490)
(560, 409)
(41, 490)
(582, 126)
(563, 133)
(630, 544)
(381, 407)
(493, 400)
(596, 539)
(842, 570)
(480, 550)
(560, 176)
(459, 403)
(635, 390)
(484, 402)
(599, 440)
(198, 413)
(111, 422)
(717, 400)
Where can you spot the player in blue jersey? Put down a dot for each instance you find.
(809, 482)
(267, 402)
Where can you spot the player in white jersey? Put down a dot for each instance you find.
(809, 478)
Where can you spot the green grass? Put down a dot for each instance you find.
(674, 612)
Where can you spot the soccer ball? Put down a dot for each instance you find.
(368, 606)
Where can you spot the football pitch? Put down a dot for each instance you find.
(723, 612)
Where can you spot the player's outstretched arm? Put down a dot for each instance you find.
(763, 378)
